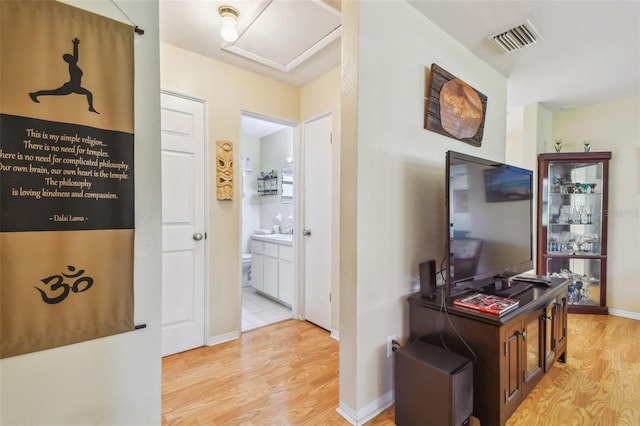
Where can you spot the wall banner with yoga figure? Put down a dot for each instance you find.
(66, 176)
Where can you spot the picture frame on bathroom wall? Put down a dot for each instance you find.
(453, 108)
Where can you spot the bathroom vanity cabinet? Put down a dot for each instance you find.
(272, 266)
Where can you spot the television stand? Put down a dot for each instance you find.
(513, 351)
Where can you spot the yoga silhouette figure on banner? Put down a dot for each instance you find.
(71, 86)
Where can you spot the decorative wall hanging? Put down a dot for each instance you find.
(66, 176)
(453, 108)
(224, 170)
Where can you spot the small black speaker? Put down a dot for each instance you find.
(428, 279)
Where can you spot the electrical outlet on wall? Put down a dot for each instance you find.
(390, 339)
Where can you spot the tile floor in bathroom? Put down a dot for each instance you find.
(258, 310)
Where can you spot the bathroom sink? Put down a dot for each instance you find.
(276, 237)
(281, 237)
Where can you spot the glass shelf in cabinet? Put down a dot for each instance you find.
(573, 224)
(567, 194)
(573, 254)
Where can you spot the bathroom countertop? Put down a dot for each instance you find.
(274, 238)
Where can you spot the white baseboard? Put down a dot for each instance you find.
(335, 334)
(221, 338)
(368, 412)
(625, 314)
(348, 413)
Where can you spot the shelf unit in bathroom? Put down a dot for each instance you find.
(268, 183)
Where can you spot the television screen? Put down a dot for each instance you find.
(489, 220)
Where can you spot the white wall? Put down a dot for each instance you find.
(400, 185)
(275, 149)
(250, 200)
(536, 137)
(115, 380)
(614, 126)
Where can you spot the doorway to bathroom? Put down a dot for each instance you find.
(268, 222)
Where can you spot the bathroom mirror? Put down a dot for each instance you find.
(287, 184)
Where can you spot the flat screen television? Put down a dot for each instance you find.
(489, 222)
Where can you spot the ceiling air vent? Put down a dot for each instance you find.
(516, 38)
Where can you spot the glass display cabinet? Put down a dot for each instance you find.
(572, 225)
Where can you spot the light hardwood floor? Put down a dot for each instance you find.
(287, 374)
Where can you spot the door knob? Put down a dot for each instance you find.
(197, 236)
(306, 232)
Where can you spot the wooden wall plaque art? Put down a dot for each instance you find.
(453, 108)
(224, 170)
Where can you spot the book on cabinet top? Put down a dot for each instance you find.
(487, 303)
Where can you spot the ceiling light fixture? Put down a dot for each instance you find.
(228, 23)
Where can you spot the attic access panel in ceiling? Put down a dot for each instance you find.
(286, 33)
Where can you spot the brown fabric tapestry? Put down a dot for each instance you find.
(66, 176)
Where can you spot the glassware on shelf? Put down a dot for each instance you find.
(552, 242)
(562, 242)
(572, 293)
(554, 213)
(577, 212)
(590, 239)
(564, 214)
(577, 188)
(589, 213)
(579, 287)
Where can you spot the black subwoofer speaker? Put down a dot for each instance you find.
(433, 386)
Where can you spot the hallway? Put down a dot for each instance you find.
(286, 373)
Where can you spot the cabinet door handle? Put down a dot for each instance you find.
(306, 232)
(197, 236)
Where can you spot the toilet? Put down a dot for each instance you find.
(246, 269)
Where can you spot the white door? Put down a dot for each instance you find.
(183, 231)
(317, 221)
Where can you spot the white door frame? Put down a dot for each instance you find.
(205, 337)
(296, 141)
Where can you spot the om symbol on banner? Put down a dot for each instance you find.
(53, 296)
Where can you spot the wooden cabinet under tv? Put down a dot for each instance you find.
(511, 353)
